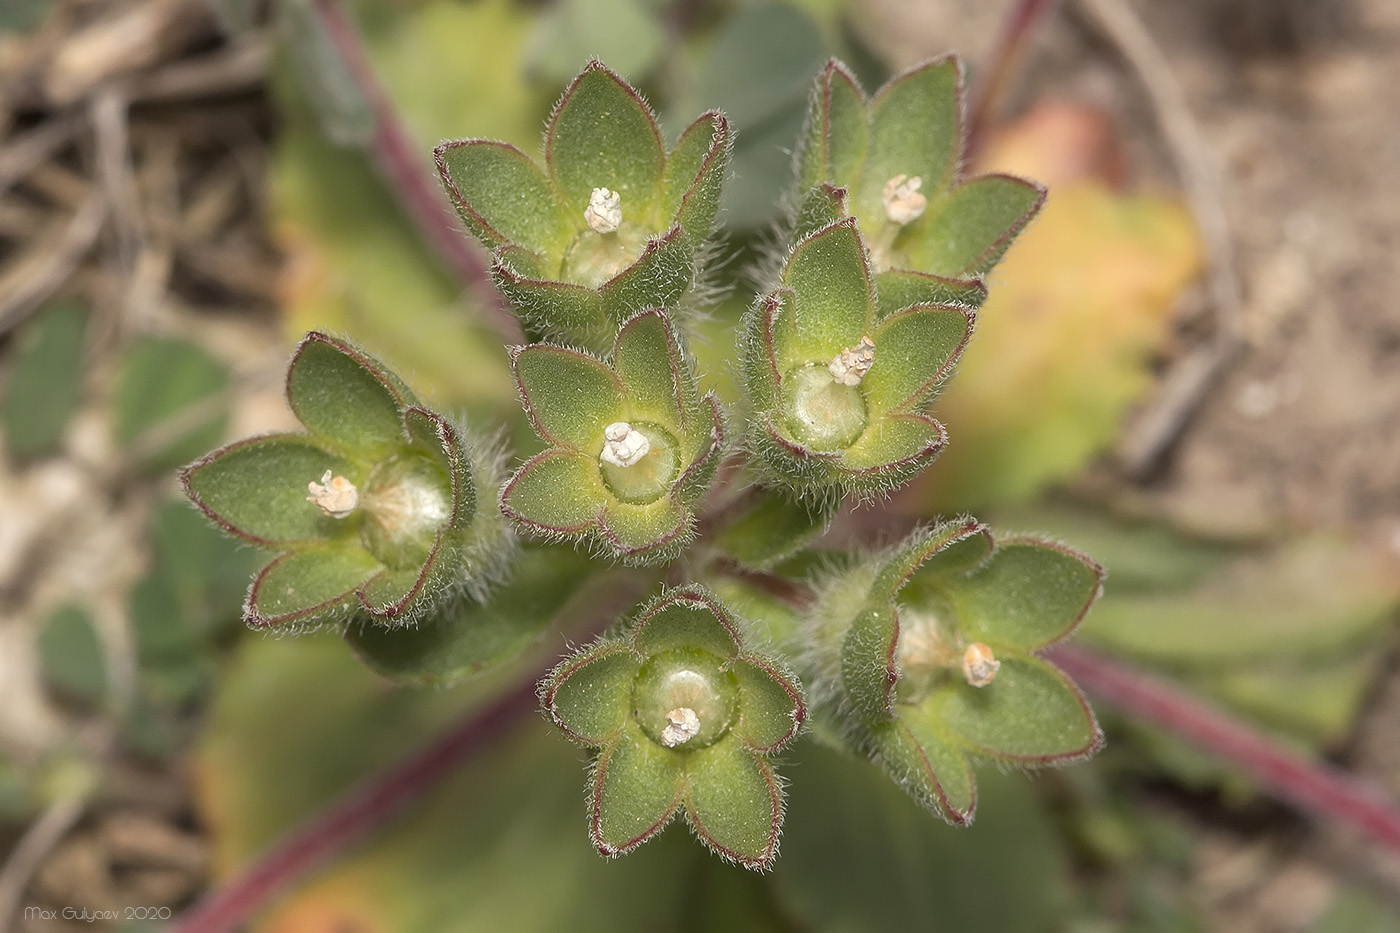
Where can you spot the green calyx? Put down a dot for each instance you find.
(938, 664)
(841, 366)
(685, 697)
(899, 157)
(612, 222)
(684, 717)
(633, 443)
(373, 511)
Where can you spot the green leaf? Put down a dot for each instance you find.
(689, 617)
(256, 489)
(648, 359)
(1030, 714)
(915, 350)
(858, 856)
(734, 803)
(561, 311)
(1310, 597)
(974, 226)
(900, 288)
(894, 448)
(915, 130)
(502, 195)
(162, 633)
(636, 791)
(160, 381)
(1029, 594)
(835, 297)
(347, 397)
(46, 380)
(589, 695)
(658, 278)
(695, 175)
(207, 570)
(775, 528)
(555, 492)
(71, 656)
(624, 33)
(772, 705)
(603, 135)
(464, 638)
(868, 670)
(821, 207)
(929, 555)
(917, 755)
(310, 587)
(569, 396)
(758, 70)
(645, 534)
(837, 131)
(435, 436)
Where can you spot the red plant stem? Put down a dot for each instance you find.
(1318, 789)
(354, 815)
(405, 169)
(1001, 63)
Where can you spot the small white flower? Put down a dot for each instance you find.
(604, 211)
(979, 665)
(682, 726)
(623, 445)
(903, 203)
(336, 496)
(850, 365)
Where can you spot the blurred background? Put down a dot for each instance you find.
(1188, 368)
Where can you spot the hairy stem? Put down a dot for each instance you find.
(1326, 793)
(399, 160)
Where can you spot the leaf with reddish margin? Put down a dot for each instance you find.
(1030, 714)
(734, 803)
(256, 489)
(570, 396)
(603, 135)
(637, 788)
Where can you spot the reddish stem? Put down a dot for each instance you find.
(1321, 790)
(1021, 22)
(354, 815)
(397, 156)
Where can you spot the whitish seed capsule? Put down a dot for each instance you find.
(851, 364)
(623, 445)
(682, 725)
(903, 203)
(979, 665)
(336, 496)
(604, 211)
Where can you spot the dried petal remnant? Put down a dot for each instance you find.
(851, 364)
(336, 496)
(903, 203)
(979, 665)
(682, 725)
(604, 211)
(623, 444)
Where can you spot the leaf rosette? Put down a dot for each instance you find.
(372, 511)
(612, 223)
(900, 155)
(633, 444)
(684, 717)
(841, 366)
(938, 663)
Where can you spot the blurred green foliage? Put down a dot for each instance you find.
(46, 380)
